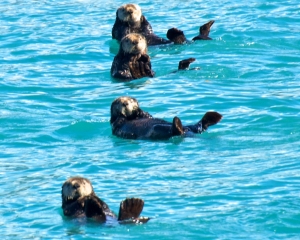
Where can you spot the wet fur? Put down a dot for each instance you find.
(80, 200)
(132, 61)
(129, 19)
(137, 124)
(204, 31)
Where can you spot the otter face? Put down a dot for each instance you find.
(124, 106)
(76, 187)
(134, 43)
(131, 13)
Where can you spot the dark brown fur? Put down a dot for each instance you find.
(144, 126)
(132, 61)
(131, 65)
(177, 36)
(122, 28)
(91, 206)
(204, 31)
(185, 64)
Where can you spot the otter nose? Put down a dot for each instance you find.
(76, 185)
(130, 11)
(125, 104)
(135, 42)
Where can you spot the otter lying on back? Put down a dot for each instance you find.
(129, 121)
(80, 200)
(132, 61)
(129, 19)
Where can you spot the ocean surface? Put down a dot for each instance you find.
(238, 180)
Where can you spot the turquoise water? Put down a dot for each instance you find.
(239, 180)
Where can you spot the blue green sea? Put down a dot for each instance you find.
(238, 180)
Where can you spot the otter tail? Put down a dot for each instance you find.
(209, 119)
(177, 36)
(130, 210)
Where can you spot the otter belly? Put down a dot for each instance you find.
(147, 128)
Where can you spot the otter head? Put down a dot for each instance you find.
(130, 13)
(75, 188)
(134, 43)
(123, 107)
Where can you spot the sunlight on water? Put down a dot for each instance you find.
(237, 180)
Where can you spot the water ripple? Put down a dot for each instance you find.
(238, 179)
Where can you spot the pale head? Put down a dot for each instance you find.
(76, 187)
(134, 43)
(124, 106)
(131, 13)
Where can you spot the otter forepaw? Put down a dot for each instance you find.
(144, 58)
(94, 209)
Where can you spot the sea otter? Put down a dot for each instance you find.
(129, 19)
(129, 121)
(132, 61)
(80, 200)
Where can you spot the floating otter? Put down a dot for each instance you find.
(132, 61)
(129, 19)
(80, 200)
(129, 121)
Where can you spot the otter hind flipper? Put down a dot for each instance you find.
(209, 119)
(177, 36)
(204, 31)
(205, 28)
(130, 210)
(185, 64)
(177, 128)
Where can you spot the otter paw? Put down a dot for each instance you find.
(93, 208)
